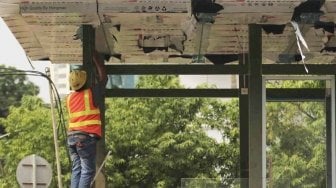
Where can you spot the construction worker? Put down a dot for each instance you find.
(84, 123)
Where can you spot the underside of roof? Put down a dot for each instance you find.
(173, 31)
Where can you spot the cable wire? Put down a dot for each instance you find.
(61, 122)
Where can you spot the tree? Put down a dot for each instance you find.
(162, 142)
(13, 86)
(156, 142)
(296, 143)
(30, 132)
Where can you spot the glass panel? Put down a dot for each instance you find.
(296, 154)
(186, 81)
(121, 81)
(172, 139)
(217, 81)
(296, 144)
(296, 84)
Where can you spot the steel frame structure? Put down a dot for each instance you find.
(250, 71)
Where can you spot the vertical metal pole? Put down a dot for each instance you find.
(34, 171)
(263, 133)
(257, 173)
(330, 131)
(88, 49)
(58, 164)
(332, 134)
(328, 134)
(243, 125)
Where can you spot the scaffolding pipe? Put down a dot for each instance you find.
(100, 168)
(58, 164)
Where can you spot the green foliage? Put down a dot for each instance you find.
(155, 142)
(159, 82)
(161, 142)
(296, 140)
(30, 132)
(12, 88)
(296, 84)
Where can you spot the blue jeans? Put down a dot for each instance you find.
(82, 150)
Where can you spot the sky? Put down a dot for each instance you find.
(12, 54)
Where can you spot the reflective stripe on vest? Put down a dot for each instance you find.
(87, 116)
(84, 123)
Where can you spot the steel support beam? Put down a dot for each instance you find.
(257, 172)
(220, 93)
(294, 94)
(272, 95)
(175, 69)
(88, 49)
(330, 134)
(298, 69)
(243, 125)
(328, 138)
(208, 69)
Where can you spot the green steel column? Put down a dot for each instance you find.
(88, 47)
(255, 107)
(243, 124)
(328, 136)
(88, 64)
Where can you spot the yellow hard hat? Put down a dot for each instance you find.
(77, 79)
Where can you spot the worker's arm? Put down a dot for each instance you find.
(99, 63)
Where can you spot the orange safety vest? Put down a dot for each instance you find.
(83, 114)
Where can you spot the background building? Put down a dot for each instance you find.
(60, 76)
